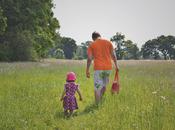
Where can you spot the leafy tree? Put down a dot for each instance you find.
(84, 46)
(68, 45)
(166, 46)
(79, 53)
(59, 54)
(18, 47)
(34, 16)
(162, 45)
(131, 51)
(118, 38)
(3, 22)
(150, 49)
(57, 41)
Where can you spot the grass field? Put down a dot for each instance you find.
(30, 92)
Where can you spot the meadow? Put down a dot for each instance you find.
(30, 97)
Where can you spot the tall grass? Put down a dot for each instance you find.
(30, 92)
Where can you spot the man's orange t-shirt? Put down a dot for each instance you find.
(101, 50)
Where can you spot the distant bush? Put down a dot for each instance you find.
(59, 54)
(78, 58)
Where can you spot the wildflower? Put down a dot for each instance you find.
(163, 97)
(154, 92)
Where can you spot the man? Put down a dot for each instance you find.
(102, 52)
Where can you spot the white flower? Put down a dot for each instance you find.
(154, 92)
(163, 97)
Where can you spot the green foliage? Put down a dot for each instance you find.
(4, 54)
(59, 54)
(163, 45)
(81, 52)
(44, 43)
(118, 38)
(125, 49)
(167, 46)
(18, 47)
(30, 93)
(84, 48)
(3, 22)
(150, 50)
(64, 47)
(33, 16)
(68, 45)
(131, 51)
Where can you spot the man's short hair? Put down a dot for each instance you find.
(95, 35)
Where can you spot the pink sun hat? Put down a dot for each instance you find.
(71, 76)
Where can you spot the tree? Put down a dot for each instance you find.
(68, 45)
(79, 53)
(150, 49)
(18, 47)
(162, 45)
(84, 46)
(59, 54)
(131, 51)
(56, 48)
(3, 22)
(34, 16)
(166, 46)
(118, 38)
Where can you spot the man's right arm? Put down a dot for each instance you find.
(89, 61)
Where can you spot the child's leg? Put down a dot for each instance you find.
(66, 113)
(70, 112)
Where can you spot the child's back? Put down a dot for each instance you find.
(68, 96)
(69, 101)
(70, 88)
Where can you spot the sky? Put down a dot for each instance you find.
(138, 20)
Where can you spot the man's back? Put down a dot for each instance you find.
(101, 49)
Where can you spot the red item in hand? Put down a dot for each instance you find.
(115, 86)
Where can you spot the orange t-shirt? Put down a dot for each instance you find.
(101, 50)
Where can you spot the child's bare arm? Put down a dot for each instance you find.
(79, 93)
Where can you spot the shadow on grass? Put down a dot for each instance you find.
(89, 109)
(59, 114)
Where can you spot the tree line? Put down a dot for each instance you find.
(162, 47)
(29, 31)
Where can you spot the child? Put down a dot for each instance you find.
(68, 96)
